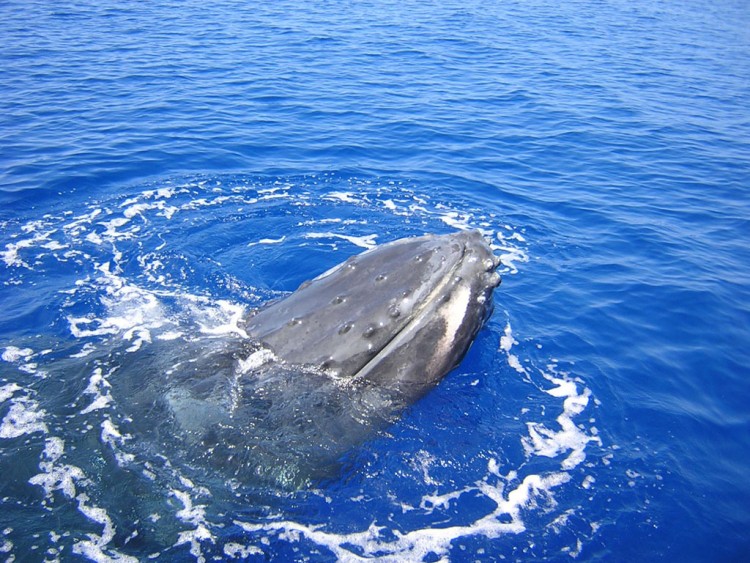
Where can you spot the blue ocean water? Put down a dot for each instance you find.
(165, 167)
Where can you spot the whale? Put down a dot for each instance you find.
(321, 371)
(398, 317)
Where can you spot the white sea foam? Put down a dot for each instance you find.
(506, 343)
(115, 440)
(11, 255)
(161, 193)
(510, 254)
(366, 241)
(415, 545)
(112, 229)
(56, 476)
(461, 221)
(140, 316)
(163, 209)
(87, 350)
(195, 516)
(271, 190)
(239, 551)
(54, 245)
(80, 223)
(13, 354)
(569, 438)
(131, 311)
(430, 503)
(94, 238)
(268, 241)
(7, 546)
(7, 391)
(346, 197)
(222, 318)
(170, 335)
(99, 388)
(24, 417)
(324, 221)
(95, 547)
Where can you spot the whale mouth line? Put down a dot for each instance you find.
(424, 306)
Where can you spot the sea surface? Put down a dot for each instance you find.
(166, 167)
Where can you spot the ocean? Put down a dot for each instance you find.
(166, 167)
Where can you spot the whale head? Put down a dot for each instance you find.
(396, 317)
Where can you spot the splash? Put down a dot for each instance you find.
(179, 265)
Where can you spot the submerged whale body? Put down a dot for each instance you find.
(330, 364)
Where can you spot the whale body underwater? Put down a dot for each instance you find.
(323, 369)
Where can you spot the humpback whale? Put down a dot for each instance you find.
(399, 316)
(324, 368)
